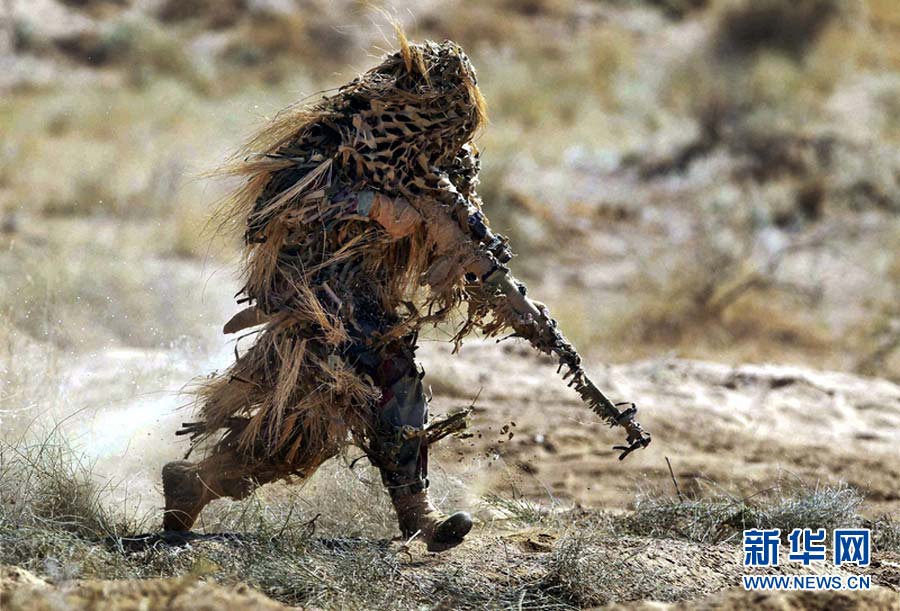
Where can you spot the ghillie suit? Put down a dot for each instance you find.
(362, 226)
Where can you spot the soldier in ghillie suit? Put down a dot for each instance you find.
(362, 226)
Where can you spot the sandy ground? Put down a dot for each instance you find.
(703, 575)
(736, 428)
(732, 429)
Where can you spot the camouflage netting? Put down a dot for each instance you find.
(320, 275)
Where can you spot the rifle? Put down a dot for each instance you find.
(511, 307)
(535, 324)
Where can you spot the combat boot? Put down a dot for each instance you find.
(418, 516)
(186, 495)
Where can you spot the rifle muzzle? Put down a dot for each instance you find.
(637, 437)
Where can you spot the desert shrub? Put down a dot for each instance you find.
(273, 46)
(138, 46)
(92, 48)
(793, 56)
(679, 9)
(264, 39)
(145, 49)
(582, 571)
(214, 13)
(27, 38)
(886, 533)
(707, 520)
(534, 8)
(574, 576)
(723, 518)
(96, 6)
(521, 510)
(791, 27)
(478, 25)
(693, 293)
(826, 507)
(51, 504)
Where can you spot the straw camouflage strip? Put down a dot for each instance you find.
(311, 265)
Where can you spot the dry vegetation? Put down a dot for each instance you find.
(314, 547)
(700, 178)
(751, 90)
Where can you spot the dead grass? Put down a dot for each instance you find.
(301, 546)
(722, 518)
(45, 480)
(887, 533)
(314, 552)
(518, 509)
(584, 572)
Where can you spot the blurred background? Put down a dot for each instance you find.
(714, 179)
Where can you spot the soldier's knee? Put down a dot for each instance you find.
(404, 403)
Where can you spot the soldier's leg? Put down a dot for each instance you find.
(189, 487)
(400, 451)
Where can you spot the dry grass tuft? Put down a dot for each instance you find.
(303, 547)
(582, 571)
(51, 510)
(887, 533)
(519, 509)
(722, 518)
